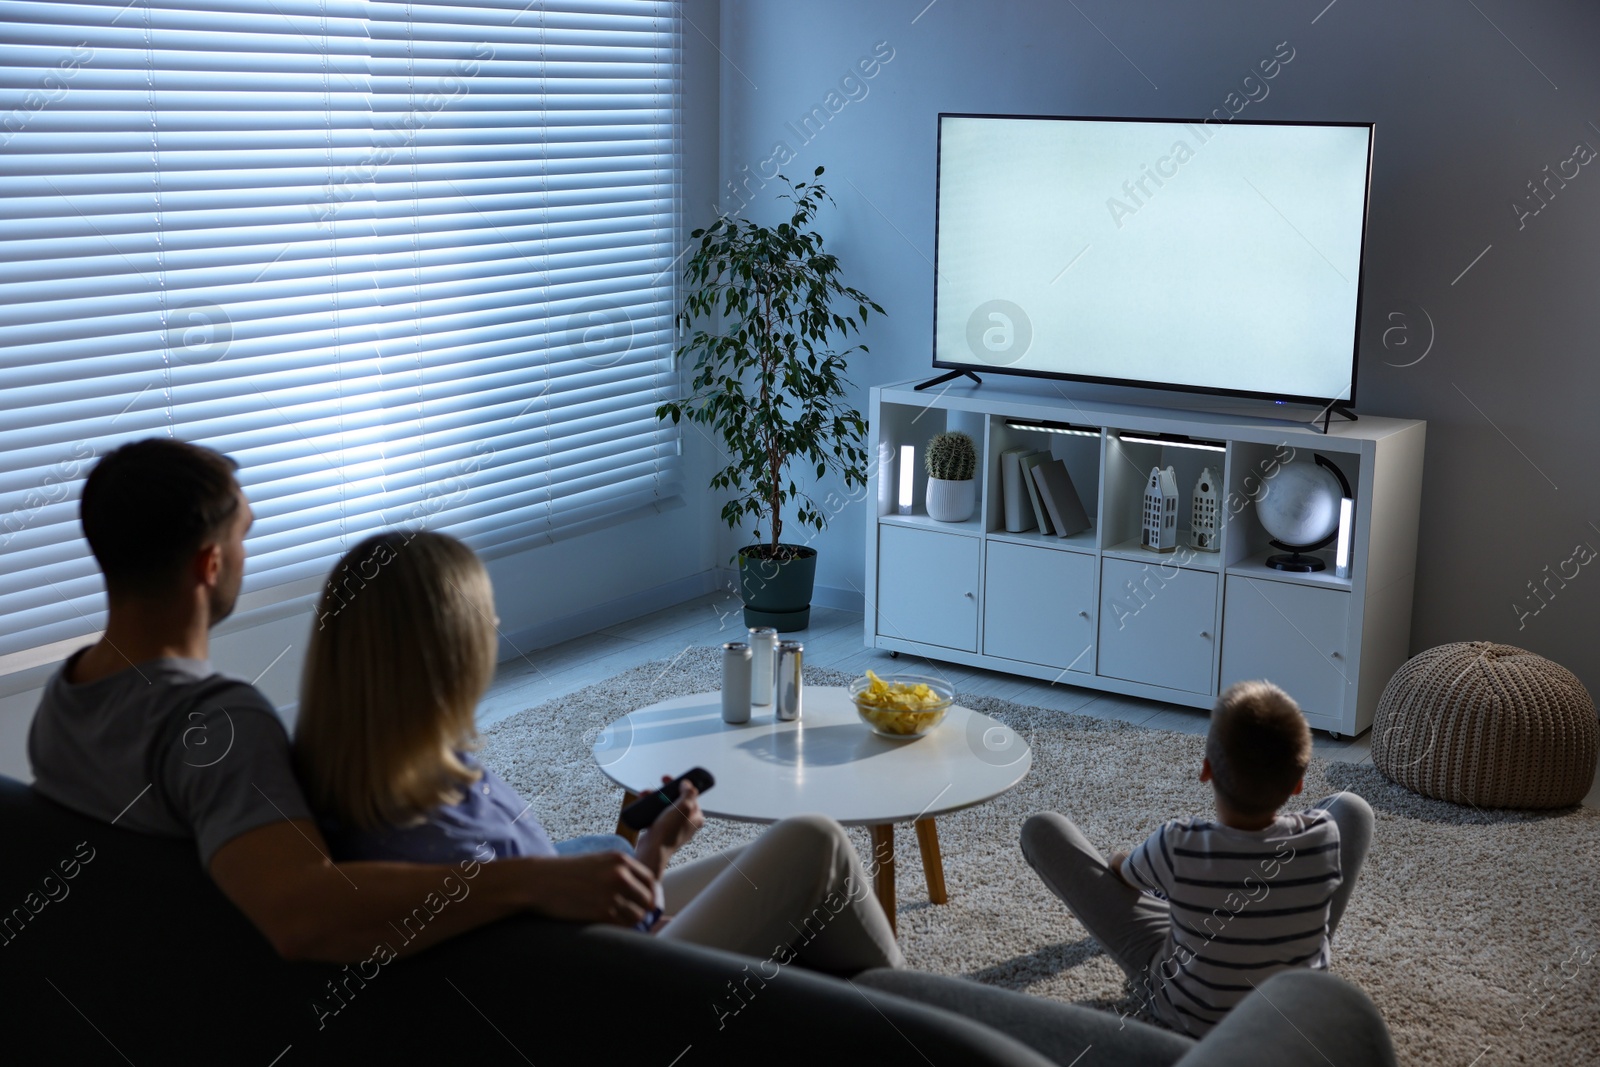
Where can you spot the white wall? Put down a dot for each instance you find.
(1465, 119)
(546, 594)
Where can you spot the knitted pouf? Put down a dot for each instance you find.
(1489, 725)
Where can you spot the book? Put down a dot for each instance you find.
(1060, 498)
(1016, 508)
(1042, 516)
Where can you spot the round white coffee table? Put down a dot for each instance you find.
(828, 761)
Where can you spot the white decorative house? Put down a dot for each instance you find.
(1203, 512)
(1161, 510)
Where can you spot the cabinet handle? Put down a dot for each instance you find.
(1083, 614)
(1336, 655)
(1206, 634)
(967, 595)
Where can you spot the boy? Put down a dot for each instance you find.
(1203, 911)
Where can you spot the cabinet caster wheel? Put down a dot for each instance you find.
(1337, 736)
(894, 655)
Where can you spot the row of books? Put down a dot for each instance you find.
(1037, 492)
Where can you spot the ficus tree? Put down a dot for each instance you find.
(762, 315)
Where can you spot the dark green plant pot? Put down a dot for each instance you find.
(777, 593)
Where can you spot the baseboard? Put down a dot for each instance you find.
(827, 596)
(610, 613)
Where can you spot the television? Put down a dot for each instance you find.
(1213, 257)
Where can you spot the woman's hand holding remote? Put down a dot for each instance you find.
(672, 829)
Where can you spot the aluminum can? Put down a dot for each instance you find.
(736, 682)
(789, 684)
(763, 651)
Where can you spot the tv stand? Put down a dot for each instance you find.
(948, 377)
(1099, 611)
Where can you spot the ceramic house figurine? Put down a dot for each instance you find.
(1161, 510)
(1203, 513)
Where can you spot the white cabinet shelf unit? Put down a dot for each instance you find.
(1097, 609)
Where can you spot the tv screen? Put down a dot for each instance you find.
(1220, 257)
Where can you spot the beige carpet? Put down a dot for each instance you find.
(1476, 933)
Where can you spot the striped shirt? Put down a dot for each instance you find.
(1245, 905)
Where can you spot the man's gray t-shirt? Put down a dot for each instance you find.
(168, 747)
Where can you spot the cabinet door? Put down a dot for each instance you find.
(1038, 606)
(1293, 635)
(928, 587)
(1156, 623)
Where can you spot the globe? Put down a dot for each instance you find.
(1300, 508)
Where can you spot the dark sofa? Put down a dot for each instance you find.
(115, 948)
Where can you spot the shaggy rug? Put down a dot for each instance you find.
(1477, 933)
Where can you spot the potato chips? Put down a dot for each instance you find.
(898, 696)
(899, 708)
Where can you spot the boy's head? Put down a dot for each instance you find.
(1258, 747)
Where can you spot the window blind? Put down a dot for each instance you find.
(409, 264)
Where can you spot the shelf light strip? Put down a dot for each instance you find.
(1341, 557)
(1172, 442)
(907, 473)
(1054, 427)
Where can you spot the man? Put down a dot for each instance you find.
(137, 729)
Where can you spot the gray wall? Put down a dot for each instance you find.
(1467, 113)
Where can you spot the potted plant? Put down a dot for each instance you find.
(766, 307)
(951, 459)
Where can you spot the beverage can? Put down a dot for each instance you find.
(763, 651)
(735, 682)
(789, 682)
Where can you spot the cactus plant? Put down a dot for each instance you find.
(951, 457)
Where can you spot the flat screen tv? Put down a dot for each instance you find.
(1219, 258)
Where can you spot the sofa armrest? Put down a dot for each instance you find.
(1298, 1017)
(602, 994)
(1063, 1033)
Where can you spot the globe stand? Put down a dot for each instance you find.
(1295, 562)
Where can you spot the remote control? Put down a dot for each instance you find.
(642, 812)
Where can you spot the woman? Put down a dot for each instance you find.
(403, 648)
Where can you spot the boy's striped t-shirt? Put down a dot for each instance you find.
(1245, 905)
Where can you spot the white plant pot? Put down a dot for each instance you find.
(952, 501)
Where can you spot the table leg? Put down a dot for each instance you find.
(932, 863)
(628, 797)
(883, 859)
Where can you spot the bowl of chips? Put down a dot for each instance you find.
(901, 706)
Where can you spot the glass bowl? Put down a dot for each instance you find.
(903, 725)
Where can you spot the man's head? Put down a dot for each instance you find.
(1258, 748)
(160, 516)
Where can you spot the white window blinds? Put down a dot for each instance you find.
(407, 263)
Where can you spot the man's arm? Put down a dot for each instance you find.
(311, 908)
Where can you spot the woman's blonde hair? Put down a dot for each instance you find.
(402, 649)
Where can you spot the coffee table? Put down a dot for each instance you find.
(827, 762)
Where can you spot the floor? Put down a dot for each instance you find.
(834, 639)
